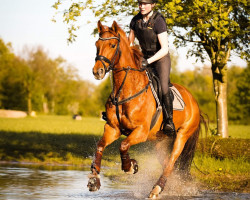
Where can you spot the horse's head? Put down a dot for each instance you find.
(108, 50)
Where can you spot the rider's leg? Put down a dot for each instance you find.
(163, 67)
(169, 127)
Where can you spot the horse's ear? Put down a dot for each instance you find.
(115, 27)
(99, 26)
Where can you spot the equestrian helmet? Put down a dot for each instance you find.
(147, 1)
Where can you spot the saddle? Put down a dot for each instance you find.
(178, 102)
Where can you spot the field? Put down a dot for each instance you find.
(62, 140)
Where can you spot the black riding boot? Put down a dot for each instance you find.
(168, 126)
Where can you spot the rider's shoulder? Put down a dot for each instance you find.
(137, 17)
(158, 15)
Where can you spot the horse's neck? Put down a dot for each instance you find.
(135, 80)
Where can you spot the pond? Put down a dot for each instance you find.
(22, 182)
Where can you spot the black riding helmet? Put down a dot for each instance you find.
(147, 1)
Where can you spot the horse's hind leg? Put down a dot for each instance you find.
(137, 136)
(163, 148)
(179, 143)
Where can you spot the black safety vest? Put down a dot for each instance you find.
(145, 34)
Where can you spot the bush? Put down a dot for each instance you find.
(222, 148)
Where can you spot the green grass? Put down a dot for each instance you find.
(223, 175)
(62, 140)
(52, 124)
(49, 139)
(239, 131)
(234, 131)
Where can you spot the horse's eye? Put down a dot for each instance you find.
(112, 45)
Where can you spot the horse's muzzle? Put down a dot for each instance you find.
(99, 73)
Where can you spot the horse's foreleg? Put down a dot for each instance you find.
(139, 135)
(169, 165)
(109, 136)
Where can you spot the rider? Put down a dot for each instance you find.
(150, 28)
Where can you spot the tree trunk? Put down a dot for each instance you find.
(220, 89)
(45, 104)
(29, 103)
(221, 105)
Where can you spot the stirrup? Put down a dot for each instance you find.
(169, 129)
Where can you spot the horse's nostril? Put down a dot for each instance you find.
(100, 71)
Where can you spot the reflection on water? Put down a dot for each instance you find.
(30, 183)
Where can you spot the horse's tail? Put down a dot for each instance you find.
(185, 159)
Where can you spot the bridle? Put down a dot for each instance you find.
(103, 58)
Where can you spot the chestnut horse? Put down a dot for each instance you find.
(131, 107)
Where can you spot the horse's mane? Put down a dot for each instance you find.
(137, 55)
(134, 50)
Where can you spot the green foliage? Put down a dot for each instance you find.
(102, 93)
(37, 82)
(6, 61)
(243, 94)
(200, 84)
(12, 70)
(239, 97)
(206, 23)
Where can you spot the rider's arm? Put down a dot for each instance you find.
(131, 37)
(163, 39)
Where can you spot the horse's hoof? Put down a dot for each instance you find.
(155, 192)
(94, 183)
(134, 165)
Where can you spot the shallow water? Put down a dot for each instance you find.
(37, 184)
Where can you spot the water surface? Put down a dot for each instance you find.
(39, 184)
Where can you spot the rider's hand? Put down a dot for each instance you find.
(144, 63)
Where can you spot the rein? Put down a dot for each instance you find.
(115, 98)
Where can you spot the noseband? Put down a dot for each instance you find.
(103, 58)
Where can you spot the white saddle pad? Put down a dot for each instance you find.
(178, 103)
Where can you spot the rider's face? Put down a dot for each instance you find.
(145, 8)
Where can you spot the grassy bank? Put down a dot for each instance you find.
(62, 140)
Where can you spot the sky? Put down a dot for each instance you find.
(29, 23)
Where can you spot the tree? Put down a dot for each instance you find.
(12, 73)
(34, 81)
(242, 96)
(243, 88)
(213, 27)
(6, 61)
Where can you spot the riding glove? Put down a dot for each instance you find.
(144, 63)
